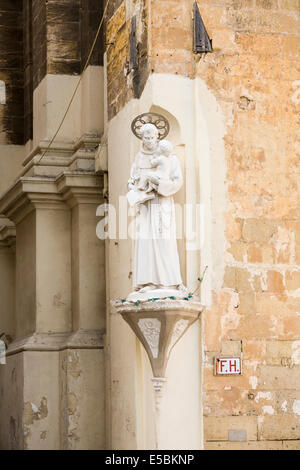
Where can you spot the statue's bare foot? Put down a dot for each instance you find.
(182, 287)
(146, 288)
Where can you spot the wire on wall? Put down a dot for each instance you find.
(78, 83)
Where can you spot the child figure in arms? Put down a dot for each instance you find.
(148, 180)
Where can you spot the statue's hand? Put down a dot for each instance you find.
(131, 184)
(156, 161)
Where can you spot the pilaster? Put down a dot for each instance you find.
(7, 274)
(81, 192)
(60, 291)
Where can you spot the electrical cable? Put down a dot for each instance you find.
(78, 84)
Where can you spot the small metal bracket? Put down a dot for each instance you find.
(202, 42)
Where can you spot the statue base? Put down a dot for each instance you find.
(156, 294)
(159, 325)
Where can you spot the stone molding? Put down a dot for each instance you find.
(61, 192)
(7, 233)
(81, 339)
(80, 187)
(64, 177)
(27, 194)
(88, 142)
(78, 155)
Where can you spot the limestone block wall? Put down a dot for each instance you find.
(126, 76)
(253, 74)
(11, 73)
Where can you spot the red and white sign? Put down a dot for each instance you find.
(228, 365)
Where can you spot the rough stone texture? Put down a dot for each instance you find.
(11, 72)
(172, 38)
(117, 41)
(39, 32)
(65, 32)
(217, 428)
(125, 81)
(253, 72)
(28, 70)
(39, 37)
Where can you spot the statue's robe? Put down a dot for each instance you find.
(156, 256)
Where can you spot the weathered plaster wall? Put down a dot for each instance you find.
(82, 404)
(12, 404)
(253, 74)
(11, 72)
(126, 77)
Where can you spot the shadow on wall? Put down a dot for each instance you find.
(174, 136)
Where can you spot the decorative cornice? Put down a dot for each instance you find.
(81, 187)
(60, 193)
(27, 194)
(61, 178)
(62, 150)
(58, 149)
(81, 339)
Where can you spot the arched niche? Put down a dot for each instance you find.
(175, 136)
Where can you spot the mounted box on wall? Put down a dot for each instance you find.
(227, 365)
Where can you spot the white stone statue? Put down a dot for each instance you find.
(155, 177)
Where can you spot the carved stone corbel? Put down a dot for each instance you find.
(7, 233)
(159, 325)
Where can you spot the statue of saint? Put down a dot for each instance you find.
(155, 177)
